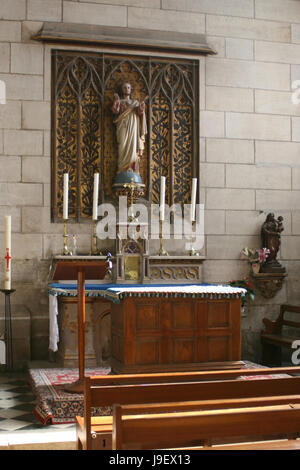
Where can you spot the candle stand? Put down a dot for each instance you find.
(161, 251)
(94, 249)
(66, 251)
(8, 330)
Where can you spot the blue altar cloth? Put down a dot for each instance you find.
(116, 292)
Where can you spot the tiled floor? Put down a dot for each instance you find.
(17, 421)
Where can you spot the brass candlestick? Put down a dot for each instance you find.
(192, 251)
(161, 251)
(66, 251)
(94, 250)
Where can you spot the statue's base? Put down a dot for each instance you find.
(129, 184)
(268, 283)
(272, 268)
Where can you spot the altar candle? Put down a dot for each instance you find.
(7, 282)
(66, 196)
(193, 199)
(162, 197)
(95, 199)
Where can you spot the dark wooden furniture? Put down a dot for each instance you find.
(166, 430)
(203, 388)
(166, 334)
(273, 338)
(80, 271)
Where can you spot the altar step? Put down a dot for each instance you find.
(35, 440)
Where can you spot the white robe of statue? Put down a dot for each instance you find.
(131, 130)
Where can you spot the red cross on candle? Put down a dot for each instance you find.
(8, 258)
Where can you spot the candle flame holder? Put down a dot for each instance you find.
(161, 251)
(66, 251)
(193, 251)
(94, 250)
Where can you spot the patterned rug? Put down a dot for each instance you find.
(53, 404)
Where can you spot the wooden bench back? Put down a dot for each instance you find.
(167, 430)
(282, 321)
(104, 391)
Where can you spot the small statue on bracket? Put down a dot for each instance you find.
(271, 239)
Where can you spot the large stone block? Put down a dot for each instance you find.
(247, 74)
(229, 99)
(23, 87)
(258, 126)
(36, 115)
(262, 177)
(15, 213)
(212, 175)
(274, 201)
(230, 150)
(223, 271)
(10, 31)
(296, 129)
(177, 21)
(295, 33)
(27, 59)
(217, 7)
(94, 14)
(29, 28)
(296, 178)
(214, 222)
(229, 246)
(36, 169)
(282, 53)
(21, 194)
(46, 11)
(234, 199)
(4, 56)
(13, 9)
(27, 246)
(211, 124)
(10, 115)
(246, 28)
(276, 10)
(239, 49)
(10, 169)
(21, 142)
(290, 247)
(244, 222)
(277, 153)
(275, 102)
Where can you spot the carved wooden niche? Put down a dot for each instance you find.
(83, 133)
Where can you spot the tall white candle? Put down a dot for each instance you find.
(95, 198)
(66, 196)
(162, 197)
(7, 282)
(193, 199)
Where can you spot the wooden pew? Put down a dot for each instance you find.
(273, 338)
(104, 391)
(167, 430)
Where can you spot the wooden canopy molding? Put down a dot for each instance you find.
(124, 38)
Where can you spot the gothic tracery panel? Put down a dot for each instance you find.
(83, 133)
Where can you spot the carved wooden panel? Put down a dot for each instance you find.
(165, 333)
(83, 133)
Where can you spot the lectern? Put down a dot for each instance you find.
(81, 271)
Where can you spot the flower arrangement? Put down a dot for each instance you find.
(245, 284)
(256, 257)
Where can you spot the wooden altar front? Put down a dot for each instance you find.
(164, 334)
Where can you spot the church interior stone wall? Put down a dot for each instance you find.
(249, 142)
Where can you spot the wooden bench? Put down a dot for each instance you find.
(273, 338)
(167, 430)
(104, 391)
